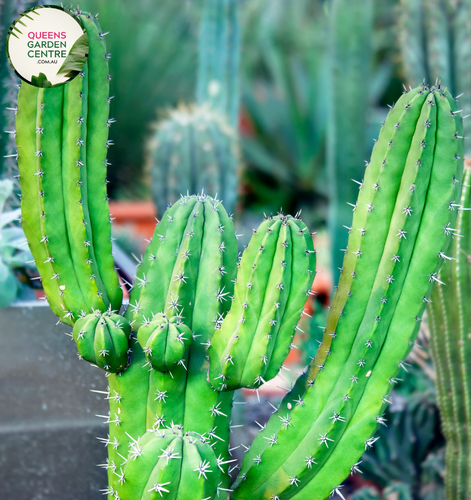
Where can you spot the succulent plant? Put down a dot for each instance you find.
(196, 148)
(243, 314)
(219, 59)
(333, 410)
(434, 38)
(449, 323)
(165, 341)
(351, 27)
(102, 339)
(68, 196)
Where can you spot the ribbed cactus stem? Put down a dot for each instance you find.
(450, 326)
(402, 225)
(435, 43)
(219, 59)
(255, 337)
(62, 135)
(201, 323)
(351, 24)
(194, 150)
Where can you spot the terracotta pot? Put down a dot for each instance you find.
(141, 215)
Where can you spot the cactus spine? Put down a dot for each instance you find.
(351, 24)
(196, 148)
(434, 38)
(235, 320)
(449, 320)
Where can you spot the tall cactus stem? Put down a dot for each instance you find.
(351, 31)
(449, 320)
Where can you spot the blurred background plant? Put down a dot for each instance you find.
(15, 257)
(196, 147)
(435, 43)
(284, 114)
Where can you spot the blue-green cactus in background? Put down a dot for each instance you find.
(350, 31)
(195, 148)
(435, 43)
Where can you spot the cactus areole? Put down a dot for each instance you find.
(201, 322)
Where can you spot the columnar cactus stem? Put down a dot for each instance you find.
(196, 148)
(351, 25)
(449, 322)
(434, 38)
(219, 55)
(68, 197)
(400, 232)
(255, 338)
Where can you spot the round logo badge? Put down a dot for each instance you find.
(47, 46)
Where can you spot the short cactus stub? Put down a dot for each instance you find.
(171, 464)
(274, 280)
(102, 339)
(165, 342)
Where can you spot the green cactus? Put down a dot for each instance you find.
(102, 339)
(165, 342)
(449, 323)
(219, 58)
(351, 25)
(171, 463)
(401, 227)
(196, 148)
(169, 430)
(272, 287)
(434, 39)
(63, 183)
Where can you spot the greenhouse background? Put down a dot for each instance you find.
(286, 126)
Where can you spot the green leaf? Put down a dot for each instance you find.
(8, 285)
(77, 57)
(8, 217)
(6, 188)
(41, 81)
